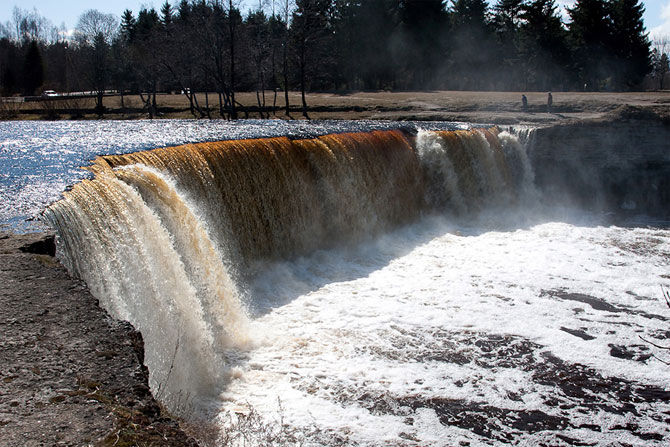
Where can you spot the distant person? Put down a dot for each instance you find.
(550, 101)
(524, 103)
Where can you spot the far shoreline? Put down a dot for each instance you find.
(503, 108)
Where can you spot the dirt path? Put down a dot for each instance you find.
(69, 374)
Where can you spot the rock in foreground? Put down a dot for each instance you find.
(69, 374)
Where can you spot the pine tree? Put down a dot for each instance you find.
(590, 33)
(630, 44)
(506, 24)
(184, 10)
(166, 14)
(376, 22)
(33, 69)
(128, 25)
(100, 70)
(423, 25)
(472, 41)
(544, 47)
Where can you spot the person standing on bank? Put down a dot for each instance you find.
(524, 103)
(550, 101)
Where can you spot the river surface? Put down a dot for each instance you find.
(528, 325)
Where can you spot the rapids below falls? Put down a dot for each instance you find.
(414, 284)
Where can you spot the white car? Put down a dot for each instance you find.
(48, 93)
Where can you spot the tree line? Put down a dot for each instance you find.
(213, 46)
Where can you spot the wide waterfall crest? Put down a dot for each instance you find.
(166, 238)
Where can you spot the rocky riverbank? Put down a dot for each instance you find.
(617, 163)
(70, 375)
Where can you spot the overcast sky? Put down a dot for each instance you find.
(656, 19)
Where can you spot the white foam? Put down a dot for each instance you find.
(342, 347)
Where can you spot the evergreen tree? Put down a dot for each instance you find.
(590, 33)
(423, 26)
(506, 24)
(660, 66)
(544, 50)
(377, 22)
(55, 58)
(146, 42)
(9, 54)
(128, 25)
(166, 14)
(472, 41)
(33, 69)
(629, 43)
(184, 10)
(347, 42)
(8, 84)
(100, 70)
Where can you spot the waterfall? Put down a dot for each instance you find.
(165, 238)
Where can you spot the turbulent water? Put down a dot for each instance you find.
(373, 286)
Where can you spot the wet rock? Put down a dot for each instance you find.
(45, 245)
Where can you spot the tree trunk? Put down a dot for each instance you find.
(147, 104)
(288, 109)
(231, 24)
(99, 107)
(303, 67)
(207, 104)
(153, 99)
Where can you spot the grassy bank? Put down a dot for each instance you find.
(478, 107)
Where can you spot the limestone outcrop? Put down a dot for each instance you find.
(619, 164)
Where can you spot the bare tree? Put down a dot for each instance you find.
(257, 25)
(310, 34)
(5, 30)
(660, 59)
(233, 15)
(210, 48)
(92, 23)
(29, 26)
(286, 10)
(94, 34)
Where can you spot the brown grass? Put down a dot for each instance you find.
(482, 107)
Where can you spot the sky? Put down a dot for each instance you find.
(656, 18)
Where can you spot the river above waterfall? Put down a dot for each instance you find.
(40, 159)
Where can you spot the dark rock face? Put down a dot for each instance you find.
(620, 165)
(43, 246)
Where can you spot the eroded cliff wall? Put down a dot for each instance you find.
(621, 164)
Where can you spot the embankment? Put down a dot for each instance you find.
(619, 164)
(70, 374)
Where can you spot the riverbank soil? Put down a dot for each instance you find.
(475, 107)
(70, 375)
